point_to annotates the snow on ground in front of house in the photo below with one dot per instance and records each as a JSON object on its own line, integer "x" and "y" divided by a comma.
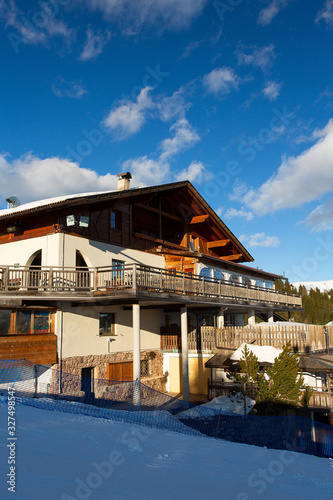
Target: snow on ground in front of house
{"x": 72, "y": 456}
{"x": 265, "y": 354}
{"x": 234, "y": 403}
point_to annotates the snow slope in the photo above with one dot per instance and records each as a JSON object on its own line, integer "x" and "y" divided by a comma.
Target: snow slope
{"x": 72, "y": 456}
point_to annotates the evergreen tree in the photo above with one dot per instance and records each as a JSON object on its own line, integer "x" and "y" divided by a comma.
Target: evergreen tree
{"x": 284, "y": 382}
{"x": 249, "y": 367}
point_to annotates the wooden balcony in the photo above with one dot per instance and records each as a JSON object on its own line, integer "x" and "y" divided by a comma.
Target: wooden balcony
{"x": 62, "y": 281}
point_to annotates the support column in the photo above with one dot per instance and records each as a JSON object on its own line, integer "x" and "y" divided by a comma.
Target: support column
{"x": 136, "y": 356}
{"x": 270, "y": 316}
{"x": 186, "y": 385}
{"x": 252, "y": 317}
{"x": 220, "y": 319}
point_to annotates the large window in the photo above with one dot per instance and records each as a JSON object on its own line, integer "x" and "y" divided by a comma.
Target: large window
{"x": 218, "y": 275}
{"x": 107, "y": 324}
{"x": 205, "y": 272}
{"x": 25, "y": 322}
{"x": 5, "y": 322}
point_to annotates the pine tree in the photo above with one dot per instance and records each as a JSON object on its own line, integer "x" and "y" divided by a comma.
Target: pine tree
{"x": 284, "y": 381}
{"x": 249, "y": 371}
{"x": 249, "y": 367}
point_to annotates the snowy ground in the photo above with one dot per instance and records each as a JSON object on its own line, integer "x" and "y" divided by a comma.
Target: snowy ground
{"x": 66, "y": 456}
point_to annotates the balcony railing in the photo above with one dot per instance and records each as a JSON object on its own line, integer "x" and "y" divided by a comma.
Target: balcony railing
{"x": 134, "y": 277}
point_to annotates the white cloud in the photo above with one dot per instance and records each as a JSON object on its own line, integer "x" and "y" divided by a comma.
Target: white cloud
{"x": 56, "y": 177}
{"x": 147, "y": 171}
{"x": 260, "y": 57}
{"x": 133, "y": 16}
{"x": 189, "y": 49}
{"x": 196, "y": 172}
{"x": 267, "y": 14}
{"x": 173, "y": 106}
{"x": 233, "y": 212}
{"x": 184, "y": 137}
{"x": 221, "y": 81}
{"x": 260, "y": 240}
{"x": 321, "y": 218}
{"x": 35, "y": 27}
{"x": 95, "y": 42}
{"x": 74, "y": 89}
{"x": 298, "y": 180}
{"x": 128, "y": 117}
{"x": 272, "y": 90}
{"x": 326, "y": 13}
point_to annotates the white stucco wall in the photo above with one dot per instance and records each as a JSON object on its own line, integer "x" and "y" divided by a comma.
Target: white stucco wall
{"x": 101, "y": 254}
{"x": 20, "y": 252}
{"x": 59, "y": 249}
{"x": 81, "y": 337}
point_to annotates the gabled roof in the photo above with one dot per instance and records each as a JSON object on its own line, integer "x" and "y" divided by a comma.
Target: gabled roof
{"x": 61, "y": 202}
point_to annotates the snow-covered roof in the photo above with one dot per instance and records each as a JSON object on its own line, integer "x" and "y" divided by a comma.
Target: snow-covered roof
{"x": 265, "y": 354}
{"x": 48, "y": 201}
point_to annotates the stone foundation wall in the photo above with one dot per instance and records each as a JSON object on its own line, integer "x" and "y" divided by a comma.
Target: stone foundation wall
{"x": 72, "y": 370}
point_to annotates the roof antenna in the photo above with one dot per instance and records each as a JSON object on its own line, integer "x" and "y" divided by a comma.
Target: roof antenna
{"x": 13, "y": 202}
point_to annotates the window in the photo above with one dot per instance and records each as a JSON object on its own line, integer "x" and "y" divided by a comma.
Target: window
{"x": 5, "y": 317}
{"x": 205, "y": 272}
{"x": 233, "y": 278}
{"x": 259, "y": 283}
{"x": 25, "y": 322}
{"x": 218, "y": 275}
{"x": 268, "y": 285}
{"x": 144, "y": 368}
{"x": 117, "y": 271}
{"x": 246, "y": 281}
{"x": 107, "y": 324}
{"x": 115, "y": 221}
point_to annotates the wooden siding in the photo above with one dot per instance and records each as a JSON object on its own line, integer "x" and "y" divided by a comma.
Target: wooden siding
{"x": 165, "y": 216}
{"x": 36, "y": 348}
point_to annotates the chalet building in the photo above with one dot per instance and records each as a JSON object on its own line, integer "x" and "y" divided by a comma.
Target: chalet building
{"x": 89, "y": 282}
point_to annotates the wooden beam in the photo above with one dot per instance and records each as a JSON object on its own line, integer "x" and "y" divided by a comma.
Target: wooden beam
{"x": 158, "y": 241}
{"x": 232, "y": 257}
{"x": 157, "y": 211}
{"x": 218, "y": 243}
{"x": 198, "y": 219}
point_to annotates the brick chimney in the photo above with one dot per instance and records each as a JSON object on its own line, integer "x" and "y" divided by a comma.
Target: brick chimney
{"x": 124, "y": 181}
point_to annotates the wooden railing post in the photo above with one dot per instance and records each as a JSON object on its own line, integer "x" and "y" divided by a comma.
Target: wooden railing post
{"x": 134, "y": 284}
{"x": 96, "y": 278}
{"x": 50, "y": 279}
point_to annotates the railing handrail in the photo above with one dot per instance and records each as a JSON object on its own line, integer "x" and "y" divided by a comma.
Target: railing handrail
{"x": 138, "y": 271}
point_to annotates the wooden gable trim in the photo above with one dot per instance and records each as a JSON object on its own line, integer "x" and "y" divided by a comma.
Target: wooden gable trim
{"x": 198, "y": 219}
{"x": 232, "y": 257}
{"x": 218, "y": 243}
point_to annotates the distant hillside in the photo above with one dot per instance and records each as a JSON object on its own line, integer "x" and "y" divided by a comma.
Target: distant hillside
{"x": 317, "y": 301}
{"x": 323, "y": 286}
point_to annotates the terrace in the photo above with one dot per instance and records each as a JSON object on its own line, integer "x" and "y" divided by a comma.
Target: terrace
{"x": 135, "y": 281}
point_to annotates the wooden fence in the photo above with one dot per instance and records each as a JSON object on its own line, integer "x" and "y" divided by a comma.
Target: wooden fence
{"x": 303, "y": 338}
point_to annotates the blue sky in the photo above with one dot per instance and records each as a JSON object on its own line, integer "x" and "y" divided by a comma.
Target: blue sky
{"x": 234, "y": 95}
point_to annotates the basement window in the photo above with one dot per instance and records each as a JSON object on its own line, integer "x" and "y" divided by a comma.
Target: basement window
{"x": 144, "y": 368}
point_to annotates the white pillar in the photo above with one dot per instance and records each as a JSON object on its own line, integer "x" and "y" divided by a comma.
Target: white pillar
{"x": 220, "y": 319}
{"x": 252, "y": 317}
{"x": 136, "y": 355}
{"x": 186, "y": 385}
{"x": 270, "y": 316}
